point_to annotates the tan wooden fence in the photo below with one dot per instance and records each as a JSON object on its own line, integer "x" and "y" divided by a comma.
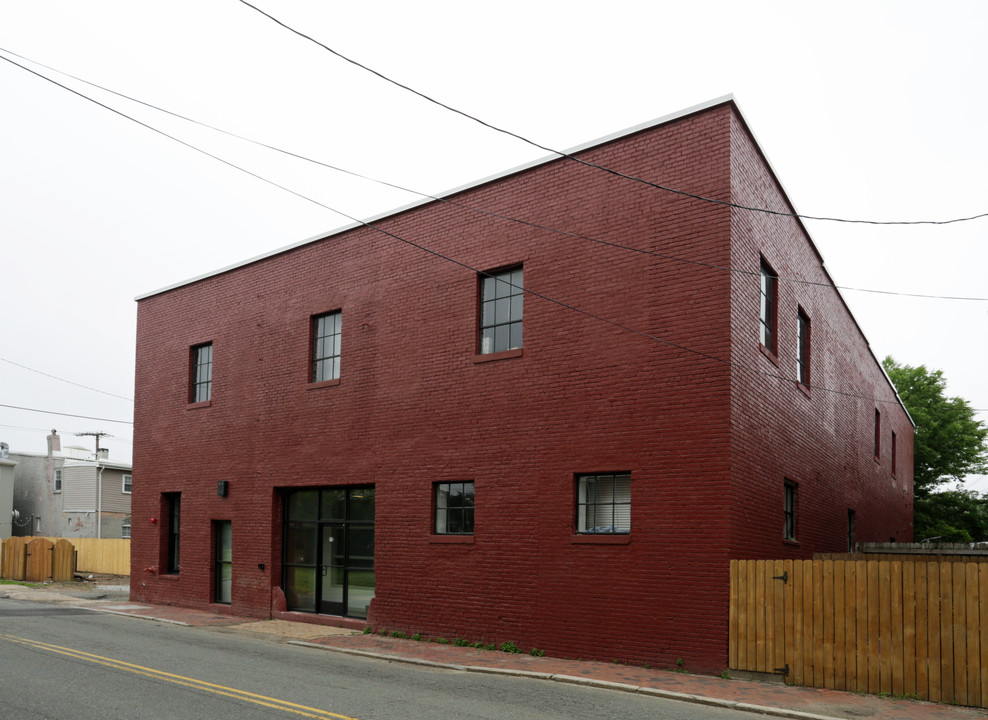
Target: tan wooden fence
{"x": 37, "y": 559}
{"x": 108, "y": 556}
{"x": 905, "y": 627}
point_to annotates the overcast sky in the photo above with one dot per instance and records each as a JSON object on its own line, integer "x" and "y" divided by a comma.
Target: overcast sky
{"x": 872, "y": 110}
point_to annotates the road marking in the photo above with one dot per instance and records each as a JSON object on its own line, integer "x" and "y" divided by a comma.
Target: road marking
{"x": 262, "y": 700}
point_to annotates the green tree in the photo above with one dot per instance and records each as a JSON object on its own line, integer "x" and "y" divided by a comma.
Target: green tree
{"x": 949, "y": 445}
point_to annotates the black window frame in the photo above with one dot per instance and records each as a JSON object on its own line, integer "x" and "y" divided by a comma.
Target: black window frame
{"x": 501, "y": 310}
{"x": 450, "y": 519}
{"x": 851, "y": 516}
{"x": 878, "y": 433}
{"x": 320, "y": 357}
{"x": 789, "y": 510}
{"x": 173, "y": 533}
{"x": 768, "y": 307}
{"x": 223, "y": 560}
{"x": 892, "y": 450}
{"x": 201, "y": 373}
{"x": 804, "y": 352}
{"x": 596, "y": 507}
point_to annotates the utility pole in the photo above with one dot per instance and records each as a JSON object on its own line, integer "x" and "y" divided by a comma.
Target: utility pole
{"x": 99, "y": 481}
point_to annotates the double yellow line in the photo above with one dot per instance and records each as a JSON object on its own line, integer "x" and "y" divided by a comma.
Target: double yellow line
{"x": 188, "y": 682}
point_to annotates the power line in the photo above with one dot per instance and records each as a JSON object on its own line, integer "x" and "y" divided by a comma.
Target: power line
{"x": 489, "y": 213}
{"x": 437, "y": 254}
{"x": 54, "y": 377}
{"x": 602, "y": 168}
{"x": 52, "y": 412}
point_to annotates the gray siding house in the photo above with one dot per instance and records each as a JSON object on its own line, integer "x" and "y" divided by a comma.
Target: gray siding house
{"x": 70, "y": 494}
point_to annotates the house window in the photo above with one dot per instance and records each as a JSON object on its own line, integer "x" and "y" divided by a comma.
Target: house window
{"x": 127, "y": 484}
{"x": 174, "y": 501}
{"x": 224, "y": 561}
{"x": 878, "y": 433}
{"x": 57, "y": 486}
{"x": 850, "y": 531}
{"x": 454, "y": 508}
{"x": 769, "y": 305}
{"x": 603, "y": 503}
{"x": 803, "y": 349}
{"x": 789, "y": 511}
{"x": 326, "y": 347}
{"x": 201, "y": 386}
{"x": 501, "y": 300}
{"x": 893, "y": 453}
{"x": 125, "y": 532}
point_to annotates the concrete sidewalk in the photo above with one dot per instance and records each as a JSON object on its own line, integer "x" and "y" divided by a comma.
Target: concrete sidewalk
{"x": 766, "y": 698}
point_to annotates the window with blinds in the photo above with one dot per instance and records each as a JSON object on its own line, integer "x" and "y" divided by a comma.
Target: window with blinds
{"x": 603, "y": 503}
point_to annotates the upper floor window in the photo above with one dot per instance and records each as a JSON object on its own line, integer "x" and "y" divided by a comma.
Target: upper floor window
{"x": 768, "y": 311}
{"x": 789, "y": 511}
{"x": 501, "y": 299}
{"x": 326, "y": 333}
{"x": 893, "y": 453}
{"x": 878, "y": 433}
{"x": 201, "y": 387}
{"x": 603, "y": 503}
{"x": 57, "y": 484}
{"x": 803, "y": 349}
{"x": 127, "y": 483}
{"x": 454, "y": 508}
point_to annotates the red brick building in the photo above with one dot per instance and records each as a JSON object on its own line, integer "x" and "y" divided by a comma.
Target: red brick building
{"x": 511, "y": 433}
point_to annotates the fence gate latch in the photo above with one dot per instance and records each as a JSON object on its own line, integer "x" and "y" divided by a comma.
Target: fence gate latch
{"x": 783, "y": 670}
{"x": 784, "y": 577}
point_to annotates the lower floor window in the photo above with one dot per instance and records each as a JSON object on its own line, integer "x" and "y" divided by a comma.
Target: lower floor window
{"x": 789, "y": 513}
{"x": 604, "y": 503}
{"x": 454, "y": 508}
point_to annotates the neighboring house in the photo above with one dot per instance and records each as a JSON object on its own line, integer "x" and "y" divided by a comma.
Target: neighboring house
{"x": 6, "y": 493}
{"x": 553, "y": 438}
{"x": 69, "y": 494}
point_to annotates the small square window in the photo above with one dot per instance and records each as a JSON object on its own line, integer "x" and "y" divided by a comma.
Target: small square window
{"x": 454, "y": 508}
{"x": 201, "y": 385}
{"x": 789, "y": 527}
{"x": 326, "y": 336}
{"x": 768, "y": 307}
{"x": 603, "y": 503}
{"x": 502, "y": 298}
{"x": 125, "y": 532}
{"x": 57, "y": 482}
{"x": 127, "y": 484}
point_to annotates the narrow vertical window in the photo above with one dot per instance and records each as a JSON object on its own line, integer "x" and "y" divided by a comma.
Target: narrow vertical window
{"x": 57, "y": 484}
{"x": 603, "y": 503}
{"x": 850, "y": 531}
{"x": 502, "y": 298}
{"x": 803, "y": 349}
{"x": 326, "y": 335}
{"x": 893, "y": 453}
{"x": 128, "y": 484}
{"x": 201, "y": 387}
{"x": 174, "y": 501}
{"x": 789, "y": 511}
{"x": 454, "y": 508}
{"x": 769, "y": 305}
{"x": 224, "y": 561}
{"x": 878, "y": 434}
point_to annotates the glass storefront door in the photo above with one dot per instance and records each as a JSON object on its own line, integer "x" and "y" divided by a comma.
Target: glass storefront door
{"x": 329, "y": 550}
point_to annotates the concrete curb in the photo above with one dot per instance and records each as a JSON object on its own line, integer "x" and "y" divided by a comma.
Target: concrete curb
{"x": 575, "y": 680}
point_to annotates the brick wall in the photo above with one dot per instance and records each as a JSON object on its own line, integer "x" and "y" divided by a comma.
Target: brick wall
{"x": 414, "y": 406}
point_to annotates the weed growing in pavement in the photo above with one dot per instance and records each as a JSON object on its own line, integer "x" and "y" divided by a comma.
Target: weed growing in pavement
{"x": 416, "y": 636}
{"x": 399, "y": 634}
{"x": 536, "y": 652}
{"x": 367, "y": 630}
{"x": 460, "y": 642}
{"x": 441, "y": 641}
{"x": 726, "y": 675}
{"x": 510, "y": 647}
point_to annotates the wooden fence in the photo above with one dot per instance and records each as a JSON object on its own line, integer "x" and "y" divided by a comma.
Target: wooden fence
{"x": 906, "y": 627}
{"x": 107, "y": 556}
{"x": 36, "y": 559}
